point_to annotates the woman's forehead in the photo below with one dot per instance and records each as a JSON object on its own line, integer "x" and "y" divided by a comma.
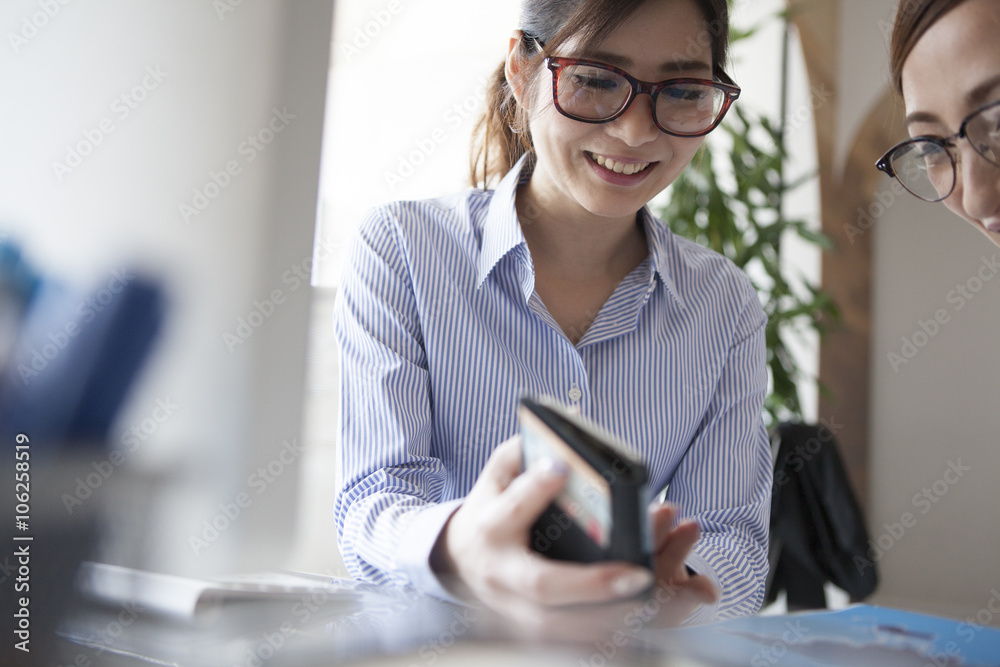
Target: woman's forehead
{"x": 954, "y": 67}
{"x": 665, "y": 35}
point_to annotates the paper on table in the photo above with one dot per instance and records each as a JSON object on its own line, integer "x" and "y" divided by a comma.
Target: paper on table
{"x": 857, "y": 635}
{"x": 190, "y": 598}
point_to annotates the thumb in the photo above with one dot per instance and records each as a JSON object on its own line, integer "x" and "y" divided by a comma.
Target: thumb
{"x": 502, "y": 467}
{"x": 530, "y": 493}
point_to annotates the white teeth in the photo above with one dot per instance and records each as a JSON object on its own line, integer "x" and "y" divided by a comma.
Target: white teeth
{"x": 619, "y": 167}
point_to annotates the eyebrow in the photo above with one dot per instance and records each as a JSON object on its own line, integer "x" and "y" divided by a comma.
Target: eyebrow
{"x": 979, "y": 95}
{"x": 673, "y": 66}
{"x": 973, "y": 99}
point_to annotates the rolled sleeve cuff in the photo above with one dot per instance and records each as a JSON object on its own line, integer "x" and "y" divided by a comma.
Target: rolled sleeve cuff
{"x": 706, "y": 612}
{"x": 414, "y": 558}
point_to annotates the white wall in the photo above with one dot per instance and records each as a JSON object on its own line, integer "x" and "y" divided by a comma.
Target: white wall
{"x": 938, "y": 411}
{"x": 147, "y": 102}
{"x": 409, "y": 83}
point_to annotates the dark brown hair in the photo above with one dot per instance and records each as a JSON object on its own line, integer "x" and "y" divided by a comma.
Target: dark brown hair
{"x": 501, "y": 135}
{"x": 913, "y": 19}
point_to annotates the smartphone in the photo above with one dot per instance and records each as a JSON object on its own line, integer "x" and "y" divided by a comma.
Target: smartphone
{"x": 602, "y": 513}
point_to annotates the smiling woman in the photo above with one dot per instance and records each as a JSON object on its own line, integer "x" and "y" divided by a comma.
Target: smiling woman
{"x": 946, "y": 64}
{"x": 559, "y": 281}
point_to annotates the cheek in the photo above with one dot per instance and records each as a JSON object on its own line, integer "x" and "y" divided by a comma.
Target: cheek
{"x": 554, "y": 135}
{"x": 954, "y": 204}
{"x": 682, "y": 151}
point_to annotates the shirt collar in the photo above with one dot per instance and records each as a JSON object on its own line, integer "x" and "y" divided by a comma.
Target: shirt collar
{"x": 502, "y": 232}
{"x": 663, "y": 251}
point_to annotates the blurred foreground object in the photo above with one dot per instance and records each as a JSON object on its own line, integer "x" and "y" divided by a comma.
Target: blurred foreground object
{"x": 67, "y": 361}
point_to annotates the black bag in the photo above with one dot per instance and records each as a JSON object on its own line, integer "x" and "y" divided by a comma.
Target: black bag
{"x": 817, "y": 529}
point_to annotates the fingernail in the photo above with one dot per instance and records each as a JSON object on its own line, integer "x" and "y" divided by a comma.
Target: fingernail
{"x": 551, "y": 467}
{"x": 632, "y": 583}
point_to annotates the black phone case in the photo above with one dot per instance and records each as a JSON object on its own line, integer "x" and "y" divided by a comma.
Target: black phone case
{"x": 556, "y": 535}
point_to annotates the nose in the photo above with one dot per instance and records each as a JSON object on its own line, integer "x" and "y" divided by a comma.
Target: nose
{"x": 636, "y": 126}
{"x": 979, "y": 185}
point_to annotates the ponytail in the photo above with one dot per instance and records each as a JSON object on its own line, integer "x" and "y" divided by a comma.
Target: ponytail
{"x": 501, "y": 135}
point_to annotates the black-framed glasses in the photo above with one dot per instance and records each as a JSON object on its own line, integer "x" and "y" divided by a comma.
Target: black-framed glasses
{"x": 592, "y": 92}
{"x": 926, "y": 166}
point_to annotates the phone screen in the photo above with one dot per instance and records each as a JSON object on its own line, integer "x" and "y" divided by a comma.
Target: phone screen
{"x": 587, "y": 496}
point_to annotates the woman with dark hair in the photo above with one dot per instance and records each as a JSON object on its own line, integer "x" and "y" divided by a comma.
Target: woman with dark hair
{"x": 560, "y": 282}
{"x": 946, "y": 64}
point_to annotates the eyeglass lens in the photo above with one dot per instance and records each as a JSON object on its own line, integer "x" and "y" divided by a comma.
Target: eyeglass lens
{"x": 593, "y": 93}
{"x": 927, "y": 168}
{"x": 983, "y": 130}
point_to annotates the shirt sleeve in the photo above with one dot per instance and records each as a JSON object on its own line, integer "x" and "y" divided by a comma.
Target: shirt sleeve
{"x": 388, "y": 510}
{"x": 724, "y": 480}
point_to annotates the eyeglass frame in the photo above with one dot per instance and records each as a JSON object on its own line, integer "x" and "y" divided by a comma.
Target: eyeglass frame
{"x": 729, "y": 88}
{"x": 884, "y": 163}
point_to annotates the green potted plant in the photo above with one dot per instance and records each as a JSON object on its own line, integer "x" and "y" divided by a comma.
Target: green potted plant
{"x": 731, "y": 200}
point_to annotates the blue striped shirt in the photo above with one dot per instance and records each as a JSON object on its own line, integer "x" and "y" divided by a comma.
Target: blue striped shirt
{"x": 440, "y": 330}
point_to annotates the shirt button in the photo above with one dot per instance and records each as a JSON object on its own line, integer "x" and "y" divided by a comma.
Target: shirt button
{"x": 575, "y": 394}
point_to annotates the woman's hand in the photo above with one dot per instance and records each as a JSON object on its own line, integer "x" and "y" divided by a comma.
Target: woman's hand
{"x": 671, "y": 547}
{"x": 484, "y": 546}
{"x": 676, "y": 595}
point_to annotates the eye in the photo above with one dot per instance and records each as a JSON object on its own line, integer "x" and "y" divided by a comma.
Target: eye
{"x": 597, "y": 81}
{"x": 687, "y": 94}
{"x": 931, "y": 152}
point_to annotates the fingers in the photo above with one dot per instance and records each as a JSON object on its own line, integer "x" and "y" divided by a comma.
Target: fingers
{"x": 678, "y": 545}
{"x": 503, "y": 572}
{"x": 528, "y": 495}
{"x": 673, "y": 544}
{"x": 662, "y": 517}
{"x": 558, "y": 583}
{"x": 503, "y": 466}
